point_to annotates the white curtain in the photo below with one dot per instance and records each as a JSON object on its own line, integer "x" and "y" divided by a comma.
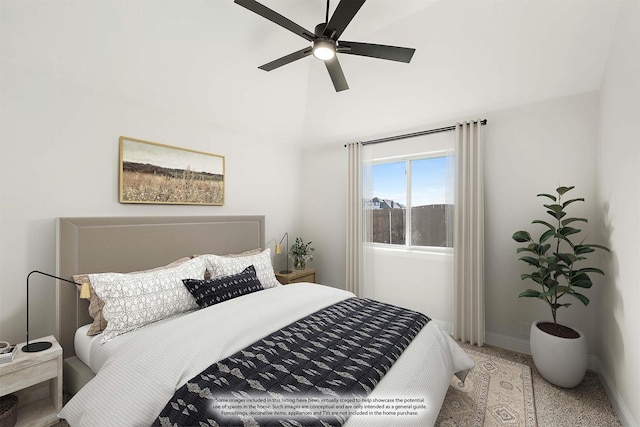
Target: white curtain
{"x": 418, "y": 279}
{"x": 469, "y": 235}
{"x": 354, "y": 244}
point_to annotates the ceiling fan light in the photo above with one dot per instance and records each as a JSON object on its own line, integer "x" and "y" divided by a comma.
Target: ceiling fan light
{"x": 324, "y": 49}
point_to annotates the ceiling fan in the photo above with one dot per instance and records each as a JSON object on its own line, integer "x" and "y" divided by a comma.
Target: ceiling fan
{"x": 325, "y": 40}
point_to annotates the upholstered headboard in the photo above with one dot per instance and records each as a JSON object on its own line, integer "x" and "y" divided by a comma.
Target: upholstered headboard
{"x": 124, "y": 244}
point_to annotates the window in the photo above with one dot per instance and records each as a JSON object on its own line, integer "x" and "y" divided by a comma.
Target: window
{"x": 411, "y": 205}
{"x": 389, "y": 204}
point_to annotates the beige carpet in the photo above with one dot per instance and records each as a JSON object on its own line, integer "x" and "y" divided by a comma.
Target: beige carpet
{"x": 583, "y": 406}
{"x": 497, "y": 392}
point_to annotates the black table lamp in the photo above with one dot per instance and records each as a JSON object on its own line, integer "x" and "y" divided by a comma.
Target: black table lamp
{"x": 279, "y": 251}
{"x": 43, "y": 345}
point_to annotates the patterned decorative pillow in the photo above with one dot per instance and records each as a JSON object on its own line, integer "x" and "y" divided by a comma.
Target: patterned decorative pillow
{"x": 96, "y": 304}
{"x": 215, "y": 291}
{"x": 255, "y": 251}
{"x": 135, "y": 300}
{"x": 223, "y": 266}
{"x": 207, "y": 274}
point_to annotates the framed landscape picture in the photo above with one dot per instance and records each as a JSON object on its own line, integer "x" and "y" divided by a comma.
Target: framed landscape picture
{"x": 158, "y": 173}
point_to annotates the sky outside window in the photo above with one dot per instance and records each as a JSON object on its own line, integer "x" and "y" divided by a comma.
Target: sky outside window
{"x": 390, "y": 182}
{"x": 428, "y": 178}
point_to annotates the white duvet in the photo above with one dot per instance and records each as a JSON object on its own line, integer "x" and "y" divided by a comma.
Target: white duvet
{"x": 136, "y": 382}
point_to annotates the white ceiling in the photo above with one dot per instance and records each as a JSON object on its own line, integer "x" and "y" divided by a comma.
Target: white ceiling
{"x": 200, "y": 58}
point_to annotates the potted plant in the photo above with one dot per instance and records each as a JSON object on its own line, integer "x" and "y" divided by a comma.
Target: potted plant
{"x": 301, "y": 253}
{"x": 559, "y": 352}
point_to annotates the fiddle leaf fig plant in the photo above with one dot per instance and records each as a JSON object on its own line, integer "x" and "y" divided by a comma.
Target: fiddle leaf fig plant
{"x": 557, "y": 260}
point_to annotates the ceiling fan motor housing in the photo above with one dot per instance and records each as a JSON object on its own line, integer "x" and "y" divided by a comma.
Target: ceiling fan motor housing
{"x": 319, "y": 29}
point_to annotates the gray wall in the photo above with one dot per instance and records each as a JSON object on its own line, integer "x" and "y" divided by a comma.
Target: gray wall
{"x": 59, "y": 157}
{"x": 532, "y": 149}
{"x": 619, "y": 203}
{"x": 517, "y": 167}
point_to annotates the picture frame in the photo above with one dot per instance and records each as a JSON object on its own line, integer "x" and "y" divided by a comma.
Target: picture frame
{"x": 162, "y": 174}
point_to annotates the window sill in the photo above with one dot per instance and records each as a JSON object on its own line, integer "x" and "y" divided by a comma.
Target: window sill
{"x": 408, "y": 250}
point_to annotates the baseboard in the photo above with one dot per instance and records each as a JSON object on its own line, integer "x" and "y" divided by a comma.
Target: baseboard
{"x": 522, "y": 346}
{"x": 616, "y": 400}
{"x": 510, "y": 343}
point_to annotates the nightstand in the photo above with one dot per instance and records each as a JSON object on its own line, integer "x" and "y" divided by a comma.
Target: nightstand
{"x": 36, "y": 378}
{"x": 307, "y": 275}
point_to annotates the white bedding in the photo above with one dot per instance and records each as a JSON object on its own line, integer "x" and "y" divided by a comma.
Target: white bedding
{"x": 136, "y": 381}
{"x": 93, "y": 353}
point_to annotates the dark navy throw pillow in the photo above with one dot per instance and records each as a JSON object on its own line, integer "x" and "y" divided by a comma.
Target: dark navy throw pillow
{"x": 214, "y": 291}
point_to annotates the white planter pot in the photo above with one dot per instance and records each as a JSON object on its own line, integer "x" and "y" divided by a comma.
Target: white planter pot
{"x": 561, "y": 361}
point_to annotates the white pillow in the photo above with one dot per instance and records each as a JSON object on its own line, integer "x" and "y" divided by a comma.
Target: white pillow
{"x": 132, "y": 301}
{"x": 224, "y": 266}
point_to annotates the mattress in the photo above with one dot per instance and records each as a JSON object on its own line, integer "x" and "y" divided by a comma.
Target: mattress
{"x": 82, "y": 345}
{"x": 135, "y": 382}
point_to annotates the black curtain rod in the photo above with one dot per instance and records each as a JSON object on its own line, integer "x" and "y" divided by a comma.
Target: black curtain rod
{"x": 411, "y": 135}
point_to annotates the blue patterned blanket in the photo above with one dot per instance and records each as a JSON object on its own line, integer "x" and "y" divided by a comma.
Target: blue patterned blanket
{"x": 341, "y": 351}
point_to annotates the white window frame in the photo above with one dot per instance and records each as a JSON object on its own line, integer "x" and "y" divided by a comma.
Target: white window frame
{"x": 407, "y": 159}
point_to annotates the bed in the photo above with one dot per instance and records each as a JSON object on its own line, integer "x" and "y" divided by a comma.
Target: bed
{"x": 137, "y": 375}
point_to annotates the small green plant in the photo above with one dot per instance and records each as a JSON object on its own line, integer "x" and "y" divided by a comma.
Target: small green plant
{"x": 301, "y": 253}
{"x": 555, "y": 258}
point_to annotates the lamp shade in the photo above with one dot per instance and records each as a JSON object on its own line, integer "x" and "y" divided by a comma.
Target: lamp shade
{"x": 85, "y": 291}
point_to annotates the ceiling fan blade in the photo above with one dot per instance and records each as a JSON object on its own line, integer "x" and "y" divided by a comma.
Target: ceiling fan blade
{"x": 337, "y": 76}
{"x": 392, "y": 53}
{"x": 286, "y": 59}
{"x": 272, "y": 16}
{"x": 343, "y": 14}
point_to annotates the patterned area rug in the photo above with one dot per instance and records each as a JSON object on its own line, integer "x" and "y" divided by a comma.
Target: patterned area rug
{"x": 497, "y": 392}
